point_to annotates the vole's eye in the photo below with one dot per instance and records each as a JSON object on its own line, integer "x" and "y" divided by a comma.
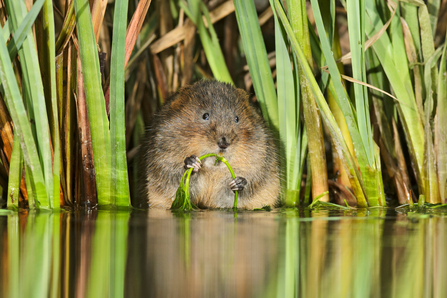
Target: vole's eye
{"x": 206, "y": 116}
{"x": 236, "y": 119}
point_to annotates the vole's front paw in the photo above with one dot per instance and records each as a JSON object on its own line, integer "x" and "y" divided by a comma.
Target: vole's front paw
{"x": 238, "y": 183}
{"x": 193, "y": 162}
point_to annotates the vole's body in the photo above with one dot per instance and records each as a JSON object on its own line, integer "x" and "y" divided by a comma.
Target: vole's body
{"x": 209, "y": 117}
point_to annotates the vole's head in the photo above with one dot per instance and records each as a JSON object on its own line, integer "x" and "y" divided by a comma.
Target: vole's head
{"x": 214, "y": 117}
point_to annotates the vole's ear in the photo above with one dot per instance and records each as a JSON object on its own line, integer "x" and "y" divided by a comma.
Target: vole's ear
{"x": 248, "y": 105}
{"x": 243, "y": 96}
{"x": 179, "y": 99}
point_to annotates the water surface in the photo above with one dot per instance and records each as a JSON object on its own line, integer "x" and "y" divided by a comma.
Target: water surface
{"x": 217, "y": 254}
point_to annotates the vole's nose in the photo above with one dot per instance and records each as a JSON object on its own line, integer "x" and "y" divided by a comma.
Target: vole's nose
{"x": 223, "y": 144}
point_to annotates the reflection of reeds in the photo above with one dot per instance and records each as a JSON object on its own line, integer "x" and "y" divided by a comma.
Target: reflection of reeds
{"x": 74, "y": 100}
{"x": 12, "y": 287}
{"x": 211, "y": 253}
{"x": 49, "y": 255}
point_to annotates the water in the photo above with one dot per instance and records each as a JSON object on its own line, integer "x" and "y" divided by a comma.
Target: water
{"x": 215, "y": 254}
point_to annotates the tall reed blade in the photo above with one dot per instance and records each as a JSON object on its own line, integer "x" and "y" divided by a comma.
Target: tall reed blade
{"x": 34, "y": 93}
{"x": 97, "y": 116}
{"x": 340, "y": 144}
{"x": 210, "y": 42}
{"x": 356, "y": 25}
{"x": 67, "y": 28}
{"x": 410, "y": 15}
{"x": 413, "y": 58}
{"x": 15, "y": 174}
{"x": 298, "y": 15}
{"x": 433, "y": 9}
{"x": 47, "y": 54}
{"x": 120, "y": 183}
{"x": 256, "y": 53}
{"x": 86, "y": 192}
{"x": 65, "y": 66}
{"x": 287, "y": 109}
{"x": 427, "y": 43}
{"x": 21, "y": 32}
{"x": 331, "y": 28}
{"x": 431, "y": 182}
{"x": 389, "y": 141}
{"x": 441, "y": 128}
{"x": 19, "y": 116}
{"x": 407, "y": 107}
{"x": 361, "y": 133}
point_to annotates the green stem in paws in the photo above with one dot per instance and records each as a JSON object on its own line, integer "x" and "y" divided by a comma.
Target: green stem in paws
{"x": 182, "y": 199}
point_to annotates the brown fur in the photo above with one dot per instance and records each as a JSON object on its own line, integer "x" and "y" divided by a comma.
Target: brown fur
{"x": 179, "y": 131}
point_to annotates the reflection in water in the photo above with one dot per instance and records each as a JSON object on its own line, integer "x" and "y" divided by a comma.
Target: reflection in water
{"x": 215, "y": 254}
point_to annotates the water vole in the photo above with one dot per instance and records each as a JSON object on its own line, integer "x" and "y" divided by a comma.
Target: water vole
{"x": 209, "y": 117}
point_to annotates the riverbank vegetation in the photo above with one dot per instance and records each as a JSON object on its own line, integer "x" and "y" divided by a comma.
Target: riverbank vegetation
{"x": 355, "y": 92}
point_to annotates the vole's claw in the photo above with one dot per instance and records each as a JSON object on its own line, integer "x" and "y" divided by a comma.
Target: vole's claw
{"x": 238, "y": 183}
{"x": 193, "y": 162}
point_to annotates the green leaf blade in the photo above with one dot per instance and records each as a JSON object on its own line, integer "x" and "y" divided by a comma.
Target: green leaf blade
{"x": 33, "y": 91}
{"x": 120, "y": 183}
{"x": 99, "y": 123}
{"x": 22, "y": 126}
{"x": 257, "y": 60}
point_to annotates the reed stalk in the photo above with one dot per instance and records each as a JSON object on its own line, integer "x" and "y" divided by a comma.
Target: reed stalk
{"x": 256, "y": 53}
{"x": 441, "y": 130}
{"x": 407, "y": 107}
{"x": 209, "y": 39}
{"x": 298, "y": 16}
{"x": 47, "y": 54}
{"x": 34, "y": 95}
{"x": 120, "y": 185}
{"x": 15, "y": 174}
{"x": 341, "y": 146}
{"x": 97, "y": 116}
{"x": 22, "y": 125}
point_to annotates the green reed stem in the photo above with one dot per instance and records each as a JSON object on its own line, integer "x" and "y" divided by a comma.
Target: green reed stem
{"x": 120, "y": 183}
{"x": 20, "y": 119}
{"x": 188, "y": 173}
{"x": 99, "y": 123}
{"x": 33, "y": 93}
{"x": 209, "y": 39}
